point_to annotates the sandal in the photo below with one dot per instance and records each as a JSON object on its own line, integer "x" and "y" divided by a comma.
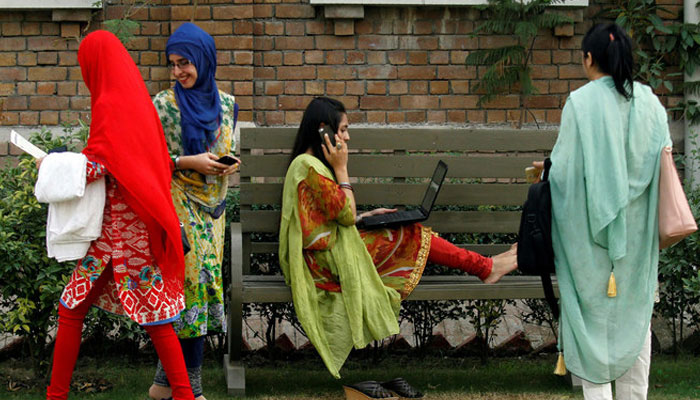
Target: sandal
{"x": 402, "y": 388}
{"x": 367, "y": 390}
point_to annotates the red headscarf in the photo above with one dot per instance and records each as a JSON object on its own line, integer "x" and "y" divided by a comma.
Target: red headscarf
{"x": 126, "y": 137}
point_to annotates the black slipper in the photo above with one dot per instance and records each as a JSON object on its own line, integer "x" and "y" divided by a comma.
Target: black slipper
{"x": 367, "y": 390}
{"x": 402, "y": 388}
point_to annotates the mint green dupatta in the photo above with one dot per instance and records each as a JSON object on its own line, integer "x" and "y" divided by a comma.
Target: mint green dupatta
{"x": 604, "y": 182}
{"x": 334, "y": 322}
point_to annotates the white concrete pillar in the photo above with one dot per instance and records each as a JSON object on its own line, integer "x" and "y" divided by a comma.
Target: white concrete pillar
{"x": 692, "y": 166}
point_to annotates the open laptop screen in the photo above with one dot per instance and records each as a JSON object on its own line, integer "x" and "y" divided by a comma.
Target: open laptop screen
{"x": 434, "y": 186}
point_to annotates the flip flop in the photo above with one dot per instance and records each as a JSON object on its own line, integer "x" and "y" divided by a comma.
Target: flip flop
{"x": 367, "y": 390}
{"x": 402, "y": 388}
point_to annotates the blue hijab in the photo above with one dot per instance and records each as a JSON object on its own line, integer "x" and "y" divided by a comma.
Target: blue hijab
{"x": 200, "y": 106}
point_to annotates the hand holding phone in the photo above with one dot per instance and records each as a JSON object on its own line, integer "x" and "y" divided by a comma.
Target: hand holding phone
{"x": 326, "y": 130}
{"x": 228, "y": 160}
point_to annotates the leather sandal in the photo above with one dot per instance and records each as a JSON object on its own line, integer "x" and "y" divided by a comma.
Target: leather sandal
{"x": 402, "y": 388}
{"x": 367, "y": 390}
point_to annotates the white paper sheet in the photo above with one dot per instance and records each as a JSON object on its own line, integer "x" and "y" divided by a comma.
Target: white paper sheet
{"x": 26, "y": 145}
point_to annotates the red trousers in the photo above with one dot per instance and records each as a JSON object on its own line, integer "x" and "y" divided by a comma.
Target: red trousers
{"x": 67, "y": 346}
{"x": 445, "y": 253}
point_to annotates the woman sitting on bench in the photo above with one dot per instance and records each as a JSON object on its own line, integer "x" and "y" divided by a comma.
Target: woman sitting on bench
{"x": 347, "y": 284}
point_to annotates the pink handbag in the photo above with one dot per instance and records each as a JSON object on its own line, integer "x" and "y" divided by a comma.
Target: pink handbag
{"x": 676, "y": 221}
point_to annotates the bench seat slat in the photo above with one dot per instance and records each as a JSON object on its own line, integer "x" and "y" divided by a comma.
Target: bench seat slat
{"x": 408, "y": 166}
{"x": 440, "y": 221}
{"x": 429, "y": 139}
{"x": 258, "y": 288}
{"x": 403, "y": 193}
{"x": 483, "y": 249}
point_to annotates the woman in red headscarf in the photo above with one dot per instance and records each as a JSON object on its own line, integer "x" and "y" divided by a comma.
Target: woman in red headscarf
{"x": 136, "y": 266}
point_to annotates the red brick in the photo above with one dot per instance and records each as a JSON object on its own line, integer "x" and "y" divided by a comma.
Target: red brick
{"x": 294, "y": 11}
{"x": 557, "y": 86}
{"x": 335, "y": 88}
{"x": 243, "y": 88}
{"x": 423, "y": 28}
{"x": 67, "y": 58}
{"x": 570, "y": 43}
{"x": 159, "y": 14}
{"x": 356, "y": 88}
{"x": 262, "y": 11}
{"x": 364, "y": 27}
{"x": 415, "y": 117}
{"x": 541, "y": 57}
{"x": 379, "y": 103}
{"x": 439, "y": 57}
{"x": 293, "y": 117}
{"x": 47, "y": 73}
{"x": 29, "y": 118}
{"x": 350, "y": 102}
{"x": 491, "y": 42}
{"x": 48, "y": 118}
{"x": 460, "y": 87}
{"x": 418, "y": 57}
{"x": 439, "y": 87}
{"x": 458, "y": 42}
{"x": 234, "y": 43}
{"x": 376, "y": 57}
{"x": 274, "y": 28}
{"x": 8, "y": 59}
{"x": 411, "y": 72}
{"x": 458, "y": 101}
{"x": 398, "y": 57}
{"x": 67, "y": 89}
{"x": 233, "y": 12}
{"x": 376, "y": 87}
{"x": 398, "y": 87}
{"x": 7, "y": 89}
{"x": 335, "y": 43}
{"x": 49, "y": 29}
{"x": 263, "y": 73}
{"x": 11, "y": 29}
{"x": 570, "y": 72}
{"x": 539, "y": 116}
{"x": 48, "y": 103}
{"x": 335, "y": 57}
{"x": 13, "y": 43}
{"x": 14, "y": 103}
{"x": 272, "y": 118}
{"x": 215, "y": 28}
{"x": 437, "y": 117}
{"x": 184, "y": 13}
{"x": 355, "y": 57}
{"x": 377, "y": 72}
{"x": 395, "y": 117}
{"x": 376, "y": 117}
{"x": 401, "y": 27}
{"x": 455, "y": 72}
{"x": 31, "y": 28}
{"x": 272, "y": 58}
{"x": 541, "y": 87}
{"x": 377, "y": 42}
{"x": 10, "y": 118}
{"x": 294, "y": 28}
{"x": 458, "y": 57}
{"x": 319, "y": 27}
{"x": 242, "y": 27}
{"x": 294, "y": 43}
{"x": 383, "y": 27}
{"x": 294, "y": 58}
{"x": 46, "y": 88}
{"x": 502, "y": 102}
{"x": 26, "y": 88}
{"x": 418, "y": 43}
{"x": 495, "y": 116}
{"x": 553, "y": 116}
{"x": 293, "y": 87}
{"x": 575, "y": 84}
{"x": 418, "y": 87}
{"x": 314, "y": 88}
{"x": 562, "y": 56}
{"x": 265, "y": 103}
{"x": 313, "y": 57}
{"x": 235, "y": 73}
{"x": 294, "y": 102}
{"x": 336, "y": 72}
{"x": 304, "y": 72}
{"x": 245, "y": 102}
{"x": 243, "y": 57}
{"x": 419, "y": 102}
{"x": 544, "y": 72}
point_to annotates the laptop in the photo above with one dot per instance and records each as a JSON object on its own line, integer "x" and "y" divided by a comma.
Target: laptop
{"x": 416, "y": 215}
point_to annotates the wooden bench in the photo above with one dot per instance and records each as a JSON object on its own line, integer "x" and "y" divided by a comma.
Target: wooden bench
{"x": 485, "y": 179}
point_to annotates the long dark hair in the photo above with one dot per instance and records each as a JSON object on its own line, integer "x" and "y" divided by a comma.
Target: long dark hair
{"x": 611, "y": 49}
{"x": 321, "y": 109}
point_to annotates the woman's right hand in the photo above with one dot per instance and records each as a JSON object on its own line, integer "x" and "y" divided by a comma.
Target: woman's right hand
{"x": 204, "y": 163}
{"x": 337, "y": 156}
{"x": 38, "y": 162}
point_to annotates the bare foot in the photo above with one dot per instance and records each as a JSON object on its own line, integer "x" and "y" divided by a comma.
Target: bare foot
{"x": 200, "y": 398}
{"x": 503, "y": 264}
{"x": 158, "y": 392}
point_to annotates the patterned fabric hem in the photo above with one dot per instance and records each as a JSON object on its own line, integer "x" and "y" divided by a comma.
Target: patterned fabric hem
{"x": 421, "y": 260}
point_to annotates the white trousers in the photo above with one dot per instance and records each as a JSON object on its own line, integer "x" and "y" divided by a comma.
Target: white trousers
{"x": 632, "y": 385}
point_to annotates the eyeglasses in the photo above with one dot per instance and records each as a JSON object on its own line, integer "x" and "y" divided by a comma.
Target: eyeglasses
{"x": 182, "y": 64}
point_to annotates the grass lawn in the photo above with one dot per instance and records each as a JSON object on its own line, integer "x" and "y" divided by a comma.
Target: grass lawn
{"x": 439, "y": 378}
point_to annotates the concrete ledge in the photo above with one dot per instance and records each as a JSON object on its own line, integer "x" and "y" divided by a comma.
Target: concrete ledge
{"x": 235, "y": 377}
{"x": 345, "y": 12}
{"x": 49, "y": 4}
{"x": 566, "y": 3}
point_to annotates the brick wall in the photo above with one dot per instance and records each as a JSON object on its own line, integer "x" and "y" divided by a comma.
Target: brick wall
{"x": 399, "y": 65}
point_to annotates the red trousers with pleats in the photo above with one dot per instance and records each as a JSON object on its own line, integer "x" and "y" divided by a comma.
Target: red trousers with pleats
{"x": 445, "y": 253}
{"x": 67, "y": 346}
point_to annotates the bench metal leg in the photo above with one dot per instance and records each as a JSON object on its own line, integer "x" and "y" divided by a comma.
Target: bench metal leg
{"x": 233, "y": 367}
{"x": 574, "y": 381}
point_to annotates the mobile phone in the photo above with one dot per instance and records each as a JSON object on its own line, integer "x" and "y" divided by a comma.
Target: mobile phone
{"x": 228, "y": 160}
{"x": 326, "y": 130}
{"x": 532, "y": 174}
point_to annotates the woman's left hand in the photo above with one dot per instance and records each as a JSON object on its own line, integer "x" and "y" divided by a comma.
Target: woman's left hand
{"x": 229, "y": 169}
{"x": 378, "y": 211}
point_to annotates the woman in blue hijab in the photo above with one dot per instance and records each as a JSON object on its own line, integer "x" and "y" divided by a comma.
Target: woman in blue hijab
{"x": 199, "y": 123}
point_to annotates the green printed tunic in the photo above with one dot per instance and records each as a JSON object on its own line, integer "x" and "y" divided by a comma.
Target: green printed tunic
{"x": 195, "y": 196}
{"x": 604, "y": 182}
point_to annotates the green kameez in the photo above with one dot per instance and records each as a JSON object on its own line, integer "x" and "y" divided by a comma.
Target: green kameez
{"x": 604, "y": 181}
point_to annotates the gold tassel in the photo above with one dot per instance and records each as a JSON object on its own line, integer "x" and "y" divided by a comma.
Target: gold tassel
{"x": 612, "y": 286}
{"x": 561, "y": 366}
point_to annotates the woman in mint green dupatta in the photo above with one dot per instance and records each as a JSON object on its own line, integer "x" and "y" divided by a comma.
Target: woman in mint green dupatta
{"x": 604, "y": 177}
{"x": 347, "y": 284}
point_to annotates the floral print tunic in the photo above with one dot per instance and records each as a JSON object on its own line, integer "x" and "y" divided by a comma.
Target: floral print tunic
{"x": 399, "y": 254}
{"x": 196, "y": 198}
{"x": 137, "y": 289}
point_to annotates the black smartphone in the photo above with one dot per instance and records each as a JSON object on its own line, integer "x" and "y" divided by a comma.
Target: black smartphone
{"x": 228, "y": 160}
{"x": 327, "y": 130}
